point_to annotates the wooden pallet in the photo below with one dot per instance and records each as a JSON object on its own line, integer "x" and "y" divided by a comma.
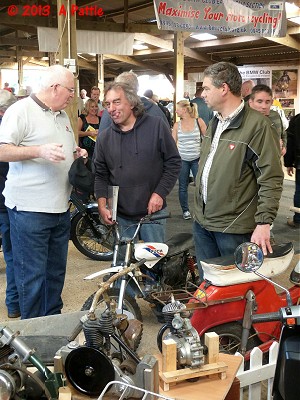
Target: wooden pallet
{"x": 170, "y": 375}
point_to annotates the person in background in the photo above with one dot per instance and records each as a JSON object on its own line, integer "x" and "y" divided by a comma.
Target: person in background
{"x": 149, "y": 95}
{"x": 84, "y": 96}
{"x": 261, "y": 100}
{"x": 239, "y": 180}
{"x": 276, "y": 106}
{"x": 187, "y": 133}
{"x": 246, "y": 90}
{"x": 12, "y": 296}
{"x": 38, "y": 142}
{"x": 151, "y": 108}
{"x": 6, "y": 87}
{"x": 291, "y": 162}
{"x": 95, "y": 95}
{"x": 138, "y": 154}
{"x": 203, "y": 111}
{"x": 88, "y": 126}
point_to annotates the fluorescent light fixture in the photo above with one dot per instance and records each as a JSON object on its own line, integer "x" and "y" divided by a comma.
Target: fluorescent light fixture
{"x": 140, "y": 46}
{"x": 203, "y": 36}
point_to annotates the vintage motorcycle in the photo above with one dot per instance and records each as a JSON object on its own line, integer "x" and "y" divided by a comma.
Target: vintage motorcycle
{"x": 88, "y": 233}
{"x": 226, "y": 294}
{"x": 169, "y": 268}
{"x": 249, "y": 259}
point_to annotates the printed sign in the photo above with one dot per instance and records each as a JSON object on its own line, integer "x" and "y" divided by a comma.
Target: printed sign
{"x": 221, "y": 17}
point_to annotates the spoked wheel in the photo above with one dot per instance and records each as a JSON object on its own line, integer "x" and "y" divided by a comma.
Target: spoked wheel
{"x": 95, "y": 246}
{"x": 230, "y": 336}
{"x": 129, "y": 304}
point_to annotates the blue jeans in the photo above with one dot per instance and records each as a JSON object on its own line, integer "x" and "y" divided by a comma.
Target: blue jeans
{"x": 183, "y": 180}
{"x": 210, "y": 244}
{"x": 12, "y": 297}
{"x": 40, "y": 247}
{"x": 297, "y": 195}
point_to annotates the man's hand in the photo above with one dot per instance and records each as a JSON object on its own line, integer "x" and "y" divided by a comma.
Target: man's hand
{"x": 53, "y": 152}
{"x": 261, "y": 236}
{"x": 104, "y": 212}
{"x": 155, "y": 203}
{"x": 106, "y": 216}
{"x": 290, "y": 171}
{"x": 81, "y": 152}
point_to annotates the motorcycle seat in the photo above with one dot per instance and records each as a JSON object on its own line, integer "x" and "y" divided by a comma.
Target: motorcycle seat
{"x": 179, "y": 243}
{"x": 222, "y": 271}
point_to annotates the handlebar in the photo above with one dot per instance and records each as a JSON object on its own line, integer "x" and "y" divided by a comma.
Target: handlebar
{"x": 153, "y": 217}
{"x": 267, "y": 317}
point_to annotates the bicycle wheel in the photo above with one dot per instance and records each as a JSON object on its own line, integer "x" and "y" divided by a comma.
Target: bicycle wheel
{"x": 97, "y": 247}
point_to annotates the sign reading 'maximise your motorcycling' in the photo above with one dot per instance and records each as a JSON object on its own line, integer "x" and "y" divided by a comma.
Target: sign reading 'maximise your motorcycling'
{"x": 241, "y": 17}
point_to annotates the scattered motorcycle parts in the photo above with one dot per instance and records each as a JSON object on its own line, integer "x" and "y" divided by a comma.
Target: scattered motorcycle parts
{"x": 14, "y": 353}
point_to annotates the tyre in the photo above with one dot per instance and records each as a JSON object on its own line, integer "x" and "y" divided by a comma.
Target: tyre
{"x": 98, "y": 247}
{"x": 129, "y": 304}
{"x": 230, "y": 337}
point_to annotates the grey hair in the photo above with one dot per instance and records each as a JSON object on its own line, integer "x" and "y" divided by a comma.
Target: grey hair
{"x": 53, "y": 74}
{"x": 130, "y": 94}
{"x": 130, "y": 78}
{"x": 6, "y": 100}
{"x": 225, "y": 72}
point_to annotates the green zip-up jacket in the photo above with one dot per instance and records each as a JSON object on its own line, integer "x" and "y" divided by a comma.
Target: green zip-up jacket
{"x": 245, "y": 179}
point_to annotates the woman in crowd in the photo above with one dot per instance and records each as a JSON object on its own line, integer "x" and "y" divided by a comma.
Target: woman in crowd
{"x": 187, "y": 134}
{"x": 88, "y": 125}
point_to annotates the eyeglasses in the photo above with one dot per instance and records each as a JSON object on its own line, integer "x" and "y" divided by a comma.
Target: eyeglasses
{"x": 71, "y": 90}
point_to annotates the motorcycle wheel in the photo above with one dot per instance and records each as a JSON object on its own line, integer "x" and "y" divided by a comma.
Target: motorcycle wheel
{"x": 230, "y": 336}
{"x": 130, "y": 304}
{"x": 97, "y": 248}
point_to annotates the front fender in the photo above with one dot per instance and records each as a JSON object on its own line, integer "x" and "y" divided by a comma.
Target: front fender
{"x": 110, "y": 270}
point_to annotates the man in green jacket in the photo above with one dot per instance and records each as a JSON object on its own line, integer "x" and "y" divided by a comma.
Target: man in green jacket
{"x": 239, "y": 181}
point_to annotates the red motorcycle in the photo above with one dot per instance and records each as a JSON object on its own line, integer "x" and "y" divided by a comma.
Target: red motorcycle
{"x": 227, "y": 297}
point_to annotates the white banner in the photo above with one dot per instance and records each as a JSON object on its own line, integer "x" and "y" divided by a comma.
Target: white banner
{"x": 221, "y": 17}
{"x": 89, "y": 41}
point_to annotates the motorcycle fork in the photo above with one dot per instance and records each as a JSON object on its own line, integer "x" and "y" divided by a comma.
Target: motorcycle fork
{"x": 250, "y": 307}
{"x": 124, "y": 280}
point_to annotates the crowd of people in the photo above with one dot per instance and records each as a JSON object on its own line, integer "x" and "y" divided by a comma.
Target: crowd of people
{"x": 228, "y": 137}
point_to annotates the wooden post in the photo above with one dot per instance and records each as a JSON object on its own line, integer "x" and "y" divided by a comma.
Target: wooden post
{"x": 68, "y": 50}
{"x": 169, "y": 354}
{"x": 211, "y": 340}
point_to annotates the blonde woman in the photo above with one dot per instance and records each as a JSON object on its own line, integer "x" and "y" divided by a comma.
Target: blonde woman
{"x": 88, "y": 121}
{"x": 187, "y": 134}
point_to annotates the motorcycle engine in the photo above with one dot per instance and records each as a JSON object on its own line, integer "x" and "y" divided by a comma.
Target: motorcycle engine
{"x": 190, "y": 352}
{"x": 91, "y": 367}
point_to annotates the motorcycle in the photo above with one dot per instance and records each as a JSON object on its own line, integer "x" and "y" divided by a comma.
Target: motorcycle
{"x": 285, "y": 386}
{"x": 88, "y": 233}
{"x": 227, "y": 294}
{"x": 169, "y": 268}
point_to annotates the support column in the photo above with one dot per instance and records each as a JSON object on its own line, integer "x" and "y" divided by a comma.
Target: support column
{"x": 68, "y": 50}
{"x": 100, "y": 73}
{"x": 178, "y": 68}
